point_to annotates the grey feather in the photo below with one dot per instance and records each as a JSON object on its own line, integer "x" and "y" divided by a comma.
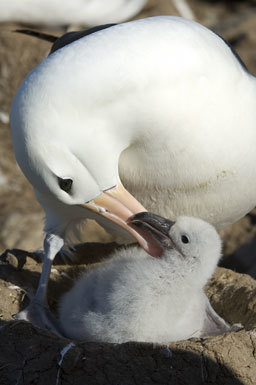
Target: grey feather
{"x": 136, "y": 297}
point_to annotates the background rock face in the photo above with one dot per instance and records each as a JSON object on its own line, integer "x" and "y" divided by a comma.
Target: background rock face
{"x": 31, "y": 356}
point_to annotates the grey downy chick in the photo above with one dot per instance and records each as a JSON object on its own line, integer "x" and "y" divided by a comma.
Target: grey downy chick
{"x": 135, "y": 297}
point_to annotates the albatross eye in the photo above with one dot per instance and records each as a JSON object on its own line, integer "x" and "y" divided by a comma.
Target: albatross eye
{"x": 184, "y": 239}
{"x": 65, "y": 184}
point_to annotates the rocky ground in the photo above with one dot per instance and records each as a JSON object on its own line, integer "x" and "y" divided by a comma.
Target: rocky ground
{"x": 21, "y": 223}
{"x": 29, "y": 355}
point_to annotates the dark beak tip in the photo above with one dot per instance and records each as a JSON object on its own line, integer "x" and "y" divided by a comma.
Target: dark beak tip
{"x": 136, "y": 217}
{"x": 140, "y": 216}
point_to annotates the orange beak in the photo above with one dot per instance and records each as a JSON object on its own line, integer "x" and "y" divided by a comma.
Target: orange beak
{"x": 118, "y": 205}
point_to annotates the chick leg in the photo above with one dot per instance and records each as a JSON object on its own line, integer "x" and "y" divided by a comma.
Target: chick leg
{"x": 38, "y": 311}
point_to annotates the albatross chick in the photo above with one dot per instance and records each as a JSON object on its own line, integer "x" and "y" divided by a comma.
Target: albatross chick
{"x": 134, "y": 297}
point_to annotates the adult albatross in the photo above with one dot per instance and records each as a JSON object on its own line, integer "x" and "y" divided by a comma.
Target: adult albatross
{"x": 162, "y": 104}
{"x": 65, "y": 12}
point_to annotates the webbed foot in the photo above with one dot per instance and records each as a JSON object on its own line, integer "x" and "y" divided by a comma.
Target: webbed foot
{"x": 40, "y": 316}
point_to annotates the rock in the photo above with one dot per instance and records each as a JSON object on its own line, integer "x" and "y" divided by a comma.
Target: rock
{"x": 17, "y": 263}
{"x": 4, "y": 117}
{"x": 29, "y": 355}
{"x": 12, "y": 296}
{"x": 14, "y": 232}
{"x": 233, "y": 296}
{"x": 239, "y": 241}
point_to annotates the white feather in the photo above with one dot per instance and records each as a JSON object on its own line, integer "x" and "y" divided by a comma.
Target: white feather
{"x": 66, "y": 12}
{"x": 134, "y": 297}
{"x": 143, "y": 98}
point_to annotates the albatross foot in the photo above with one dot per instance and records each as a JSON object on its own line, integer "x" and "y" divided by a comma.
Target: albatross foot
{"x": 40, "y": 316}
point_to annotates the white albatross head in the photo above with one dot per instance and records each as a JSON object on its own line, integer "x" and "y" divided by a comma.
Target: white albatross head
{"x": 191, "y": 242}
{"x": 71, "y": 178}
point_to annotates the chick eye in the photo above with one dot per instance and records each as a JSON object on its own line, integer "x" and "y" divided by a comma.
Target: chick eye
{"x": 184, "y": 239}
{"x": 65, "y": 184}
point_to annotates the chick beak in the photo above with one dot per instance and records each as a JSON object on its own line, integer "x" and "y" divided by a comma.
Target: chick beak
{"x": 158, "y": 226}
{"x": 118, "y": 205}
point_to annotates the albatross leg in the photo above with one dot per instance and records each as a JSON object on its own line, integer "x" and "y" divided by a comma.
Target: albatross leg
{"x": 38, "y": 311}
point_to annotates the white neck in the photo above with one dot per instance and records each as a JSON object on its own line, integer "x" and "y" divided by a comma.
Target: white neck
{"x": 156, "y": 116}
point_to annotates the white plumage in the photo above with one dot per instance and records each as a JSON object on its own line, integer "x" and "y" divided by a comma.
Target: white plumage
{"x": 162, "y": 104}
{"x": 134, "y": 297}
{"x": 143, "y": 97}
{"x": 66, "y": 12}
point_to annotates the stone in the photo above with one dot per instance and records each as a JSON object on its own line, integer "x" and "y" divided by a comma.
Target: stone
{"x": 29, "y": 355}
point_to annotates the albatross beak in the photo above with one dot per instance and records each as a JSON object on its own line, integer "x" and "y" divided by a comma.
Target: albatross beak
{"x": 158, "y": 226}
{"x": 118, "y": 205}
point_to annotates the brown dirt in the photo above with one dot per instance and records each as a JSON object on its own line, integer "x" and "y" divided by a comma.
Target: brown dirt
{"x": 29, "y": 355}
